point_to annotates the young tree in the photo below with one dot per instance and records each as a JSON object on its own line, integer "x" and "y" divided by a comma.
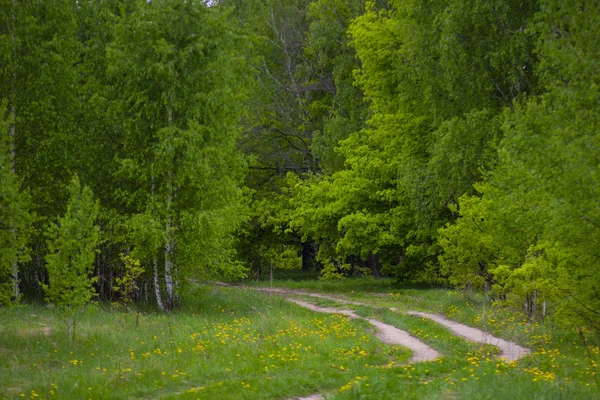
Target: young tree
{"x": 72, "y": 248}
{"x": 126, "y": 285}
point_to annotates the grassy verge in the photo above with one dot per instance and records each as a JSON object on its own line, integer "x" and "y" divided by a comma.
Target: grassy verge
{"x": 230, "y": 344}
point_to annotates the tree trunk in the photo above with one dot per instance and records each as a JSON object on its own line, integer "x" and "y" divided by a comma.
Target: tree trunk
{"x": 168, "y": 237}
{"x": 159, "y": 302}
{"x": 308, "y": 255}
{"x": 488, "y": 282}
{"x": 168, "y": 265}
{"x": 544, "y": 309}
{"x": 15, "y": 270}
{"x": 375, "y": 265}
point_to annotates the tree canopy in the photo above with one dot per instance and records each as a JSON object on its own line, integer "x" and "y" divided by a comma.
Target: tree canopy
{"x": 444, "y": 141}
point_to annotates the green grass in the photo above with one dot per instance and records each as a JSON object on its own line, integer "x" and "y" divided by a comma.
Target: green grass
{"x": 293, "y": 279}
{"x": 239, "y": 344}
{"x": 560, "y": 366}
{"x": 229, "y": 344}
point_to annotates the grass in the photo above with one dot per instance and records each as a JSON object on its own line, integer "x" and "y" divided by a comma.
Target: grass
{"x": 308, "y": 280}
{"x": 229, "y": 344}
{"x": 239, "y": 344}
{"x": 560, "y": 366}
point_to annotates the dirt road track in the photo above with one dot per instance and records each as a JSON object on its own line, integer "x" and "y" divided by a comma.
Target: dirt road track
{"x": 389, "y": 334}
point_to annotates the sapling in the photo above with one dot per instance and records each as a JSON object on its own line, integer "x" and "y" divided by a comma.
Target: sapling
{"x": 72, "y": 243}
{"x": 126, "y": 284}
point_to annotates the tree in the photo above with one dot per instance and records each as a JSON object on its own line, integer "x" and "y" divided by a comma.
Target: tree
{"x": 14, "y": 216}
{"x": 303, "y": 103}
{"x": 180, "y": 85}
{"x": 72, "y": 246}
{"x": 539, "y": 206}
{"x": 38, "y": 52}
{"x": 126, "y": 285}
{"x": 428, "y": 137}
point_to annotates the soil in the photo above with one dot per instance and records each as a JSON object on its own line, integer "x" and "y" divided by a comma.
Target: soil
{"x": 508, "y": 350}
{"x": 386, "y": 333}
{"x": 311, "y": 397}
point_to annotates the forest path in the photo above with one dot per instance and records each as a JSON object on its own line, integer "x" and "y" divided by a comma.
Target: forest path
{"x": 389, "y": 334}
{"x": 510, "y": 351}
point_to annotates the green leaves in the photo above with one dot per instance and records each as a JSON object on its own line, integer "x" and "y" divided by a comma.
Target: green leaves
{"x": 15, "y": 216}
{"x": 177, "y": 61}
{"x": 126, "y": 284}
{"x": 72, "y": 245}
{"x": 448, "y": 139}
{"x": 539, "y": 209}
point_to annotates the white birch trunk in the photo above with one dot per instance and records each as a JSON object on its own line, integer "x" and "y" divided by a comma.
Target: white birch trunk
{"x": 168, "y": 238}
{"x": 169, "y": 264}
{"x": 159, "y": 302}
{"x": 288, "y": 64}
{"x": 544, "y": 309}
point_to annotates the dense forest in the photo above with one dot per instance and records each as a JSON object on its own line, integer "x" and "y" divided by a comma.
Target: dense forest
{"x": 145, "y": 145}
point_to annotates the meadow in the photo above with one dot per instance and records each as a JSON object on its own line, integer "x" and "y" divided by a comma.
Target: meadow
{"x": 237, "y": 343}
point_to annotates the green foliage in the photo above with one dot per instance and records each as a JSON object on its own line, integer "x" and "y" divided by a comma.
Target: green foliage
{"x": 334, "y": 270}
{"x": 425, "y": 139}
{"x": 303, "y": 103}
{"x": 38, "y": 51}
{"x": 468, "y": 246}
{"x": 126, "y": 284}
{"x": 538, "y": 211}
{"x": 436, "y": 136}
{"x": 542, "y": 282}
{"x": 286, "y": 258}
{"x": 146, "y": 234}
{"x": 15, "y": 218}
{"x": 179, "y": 110}
{"x": 341, "y": 107}
{"x": 72, "y": 244}
{"x": 38, "y": 80}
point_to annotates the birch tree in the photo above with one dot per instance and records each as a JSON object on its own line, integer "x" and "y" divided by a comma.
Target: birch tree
{"x": 37, "y": 53}
{"x": 15, "y": 220}
{"x": 175, "y": 61}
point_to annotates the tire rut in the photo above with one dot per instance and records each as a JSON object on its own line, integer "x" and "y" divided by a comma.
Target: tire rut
{"x": 509, "y": 351}
{"x": 389, "y": 334}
